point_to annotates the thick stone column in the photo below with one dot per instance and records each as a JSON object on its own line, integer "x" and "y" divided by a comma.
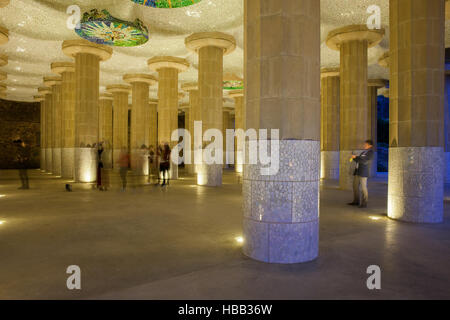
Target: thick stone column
{"x": 416, "y": 153}
{"x": 168, "y": 69}
{"x": 282, "y": 83}
{"x": 194, "y": 115}
{"x": 106, "y": 128}
{"x": 140, "y": 84}
{"x": 447, "y": 126}
{"x": 41, "y": 100}
{"x": 226, "y": 125}
{"x": 67, "y": 72}
{"x": 330, "y": 123}
{"x": 87, "y": 73}
{"x": 239, "y": 112}
{"x": 352, "y": 42}
{"x": 211, "y": 47}
{"x": 372, "y": 120}
{"x": 47, "y": 93}
{"x": 120, "y": 94}
{"x": 152, "y": 123}
{"x": 55, "y": 83}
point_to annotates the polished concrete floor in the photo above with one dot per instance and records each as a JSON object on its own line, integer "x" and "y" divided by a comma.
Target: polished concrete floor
{"x": 180, "y": 243}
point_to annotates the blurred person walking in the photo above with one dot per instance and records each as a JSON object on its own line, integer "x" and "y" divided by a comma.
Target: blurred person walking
{"x": 164, "y": 165}
{"x": 23, "y": 160}
{"x": 124, "y": 162}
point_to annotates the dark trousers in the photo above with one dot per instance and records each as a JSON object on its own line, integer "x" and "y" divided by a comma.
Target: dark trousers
{"x": 23, "y": 174}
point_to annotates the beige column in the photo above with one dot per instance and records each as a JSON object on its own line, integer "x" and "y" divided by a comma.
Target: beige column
{"x": 4, "y": 36}
{"x": 282, "y": 91}
{"x": 416, "y": 112}
{"x": 54, "y": 82}
{"x": 47, "y": 93}
{"x": 330, "y": 123}
{"x": 140, "y": 84}
{"x": 67, "y": 72}
{"x": 4, "y": 3}
{"x": 353, "y": 43}
{"x": 168, "y": 69}
{"x": 105, "y": 119}
{"x": 226, "y": 126}
{"x": 87, "y": 73}
{"x": 41, "y": 100}
{"x": 152, "y": 123}
{"x": 120, "y": 94}
{"x": 211, "y": 47}
{"x": 195, "y": 115}
{"x": 238, "y": 96}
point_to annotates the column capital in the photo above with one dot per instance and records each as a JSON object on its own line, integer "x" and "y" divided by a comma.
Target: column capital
{"x": 52, "y": 81}
{"x": 4, "y": 3}
{"x": 72, "y": 47}
{"x": 106, "y": 96}
{"x": 44, "y": 90}
{"x": 4, "y": 35}
{"x": 228, "y": 109}
{"x": 379, "y": 83}
{"x": 184, "y": 106}
{"x": 221, "y": 40}
{"x": 160, "y": 62}
{"x": 189, "y": 86}
{"x": 354, "y": 33}
{"x": 118, "y": 88}
{"x": 153, "y": 101}
{"x": 3, "y": 87}
{"x": 385, "y": 60}
{"x": 61, "y": 67}
{"x": 140, "y": 77}
{"x": 236, "y": 93}
{"x": 329, "y": 72}
{"x": 231, "y": 77}
{"x": 39, "y": 98}
{"x": 3, "y": 60}
{"x": 385, "y": 92}
{"x": 3, "y": 75}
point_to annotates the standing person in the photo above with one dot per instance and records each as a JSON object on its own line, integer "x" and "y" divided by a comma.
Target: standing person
{"x": 151, "y": 163}
{"x": 159, "y": 152}
{"x": 165, "y": 163}
{"x": 124, "y": 161}
{"x": 23, "y": 160}
{"x": 361, "y": 175}
{"x": 99, "y": 166}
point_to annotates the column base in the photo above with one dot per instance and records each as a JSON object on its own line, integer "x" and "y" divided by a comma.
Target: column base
{"x": 139, "y": 162}
{"x": 329, "y": 165}
{"x": 48, "y": 160}
{"x": 416, "y": 184}
{"x": 347, "y": 168}
{"x": 447, "y": 167}
{"x": 209, "y": 175}
{"x": 281, "y": 212}
{"x": 85, "y": 164}
{"x": 67, "y": 164}
{"x": 42, "y": 159}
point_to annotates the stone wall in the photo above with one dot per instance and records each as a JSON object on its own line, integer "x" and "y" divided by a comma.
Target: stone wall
{"x": 19, "y": 120}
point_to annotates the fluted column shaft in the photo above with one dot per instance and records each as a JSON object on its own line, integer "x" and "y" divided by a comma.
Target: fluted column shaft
{"x": 68, "y": 125}
{"x": 106, "y": 130}
{"x": 152, "y": 124}
{"x": 195, "y": 115}
{"x": 43, "y": 136}
{"x": 57, "y": 128}
{"x": 139, "y": 161}
{"x": 372, "y": 121}
{"x": 48, "y": 133}
{"x": 120, "y": 124}
{"x": 239, "y": 124}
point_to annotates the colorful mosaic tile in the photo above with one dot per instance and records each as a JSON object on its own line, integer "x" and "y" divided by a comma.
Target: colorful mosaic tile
{"x": 166, "y": 4}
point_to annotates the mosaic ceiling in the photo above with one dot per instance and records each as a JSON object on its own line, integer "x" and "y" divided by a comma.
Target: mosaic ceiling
{"x": 38, "y": 27}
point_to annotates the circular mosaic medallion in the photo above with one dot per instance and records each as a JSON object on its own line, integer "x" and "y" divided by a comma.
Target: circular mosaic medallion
{"x": 102, "y": 28}
{"x": 233, "y": 85}
{"x": 166, "y": 4}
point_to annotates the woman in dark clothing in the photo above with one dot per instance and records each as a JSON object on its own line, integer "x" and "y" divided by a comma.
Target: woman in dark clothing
{"x": 164, "y": 165}
{"x": 99, "y": 167}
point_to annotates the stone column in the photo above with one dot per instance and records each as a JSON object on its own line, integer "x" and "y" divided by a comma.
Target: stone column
{"x": 152, "y": 123}
{"x": 4, "y": 35}
{"x": 211, "y": 47}
{"x": 140, "y": 84}
{"x": 168, "y": 69}
{"x": 106, "y": 128}
{"x": 55, "y": 83}
{"x": 87, "y": 73}
{"x": 282, "y": 83}
{"x": 195, "y": 115}
{"x": 47, "y": 93}
{"x": 120, "y": 94}
{"x": 416, "y": 153}
{"x": 238, "y": 96}
{"x": 41, "y": 100}
{"x": 226, "y": 125}
{"x": 372, "y": 119}
{"x": 353, "y": 43}
{"x": 4, "y": 3}
{"x": 447, "y": 126}
{"x": 330, "y": 123}
{"x": 67, "y": 72}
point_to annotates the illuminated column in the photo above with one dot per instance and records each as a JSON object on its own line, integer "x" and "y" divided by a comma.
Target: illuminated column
{"x": 416, "y": 111}
{"x": 372, "y": 119}
{"x": 41, "y": 101}
{"x": 353, "y": 43}
{"x": 330, "y": 93}
{"x": 226, "y": 115}
{"x": 67, "y": 72}
{"x": 140, "y": 84}
{"x": 120, "y": 94}
{"x": 47, "y": 93}
{"x": 106, "y": 128}
{"x": 195, "y": 115}
{"x": 168, "y": 69}
{"x": 239, "y": 112}
{"x": 282, "y": 83}
{"x": 87, "y": 73}
{"x": 211, "y": 47}
{"x": 152, "y": 123}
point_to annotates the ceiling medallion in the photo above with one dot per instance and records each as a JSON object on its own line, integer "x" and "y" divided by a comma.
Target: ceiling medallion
{"x": 166, "y": 4}
{"x": 102, "y": 28}
{"x": 233, "y": 85}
